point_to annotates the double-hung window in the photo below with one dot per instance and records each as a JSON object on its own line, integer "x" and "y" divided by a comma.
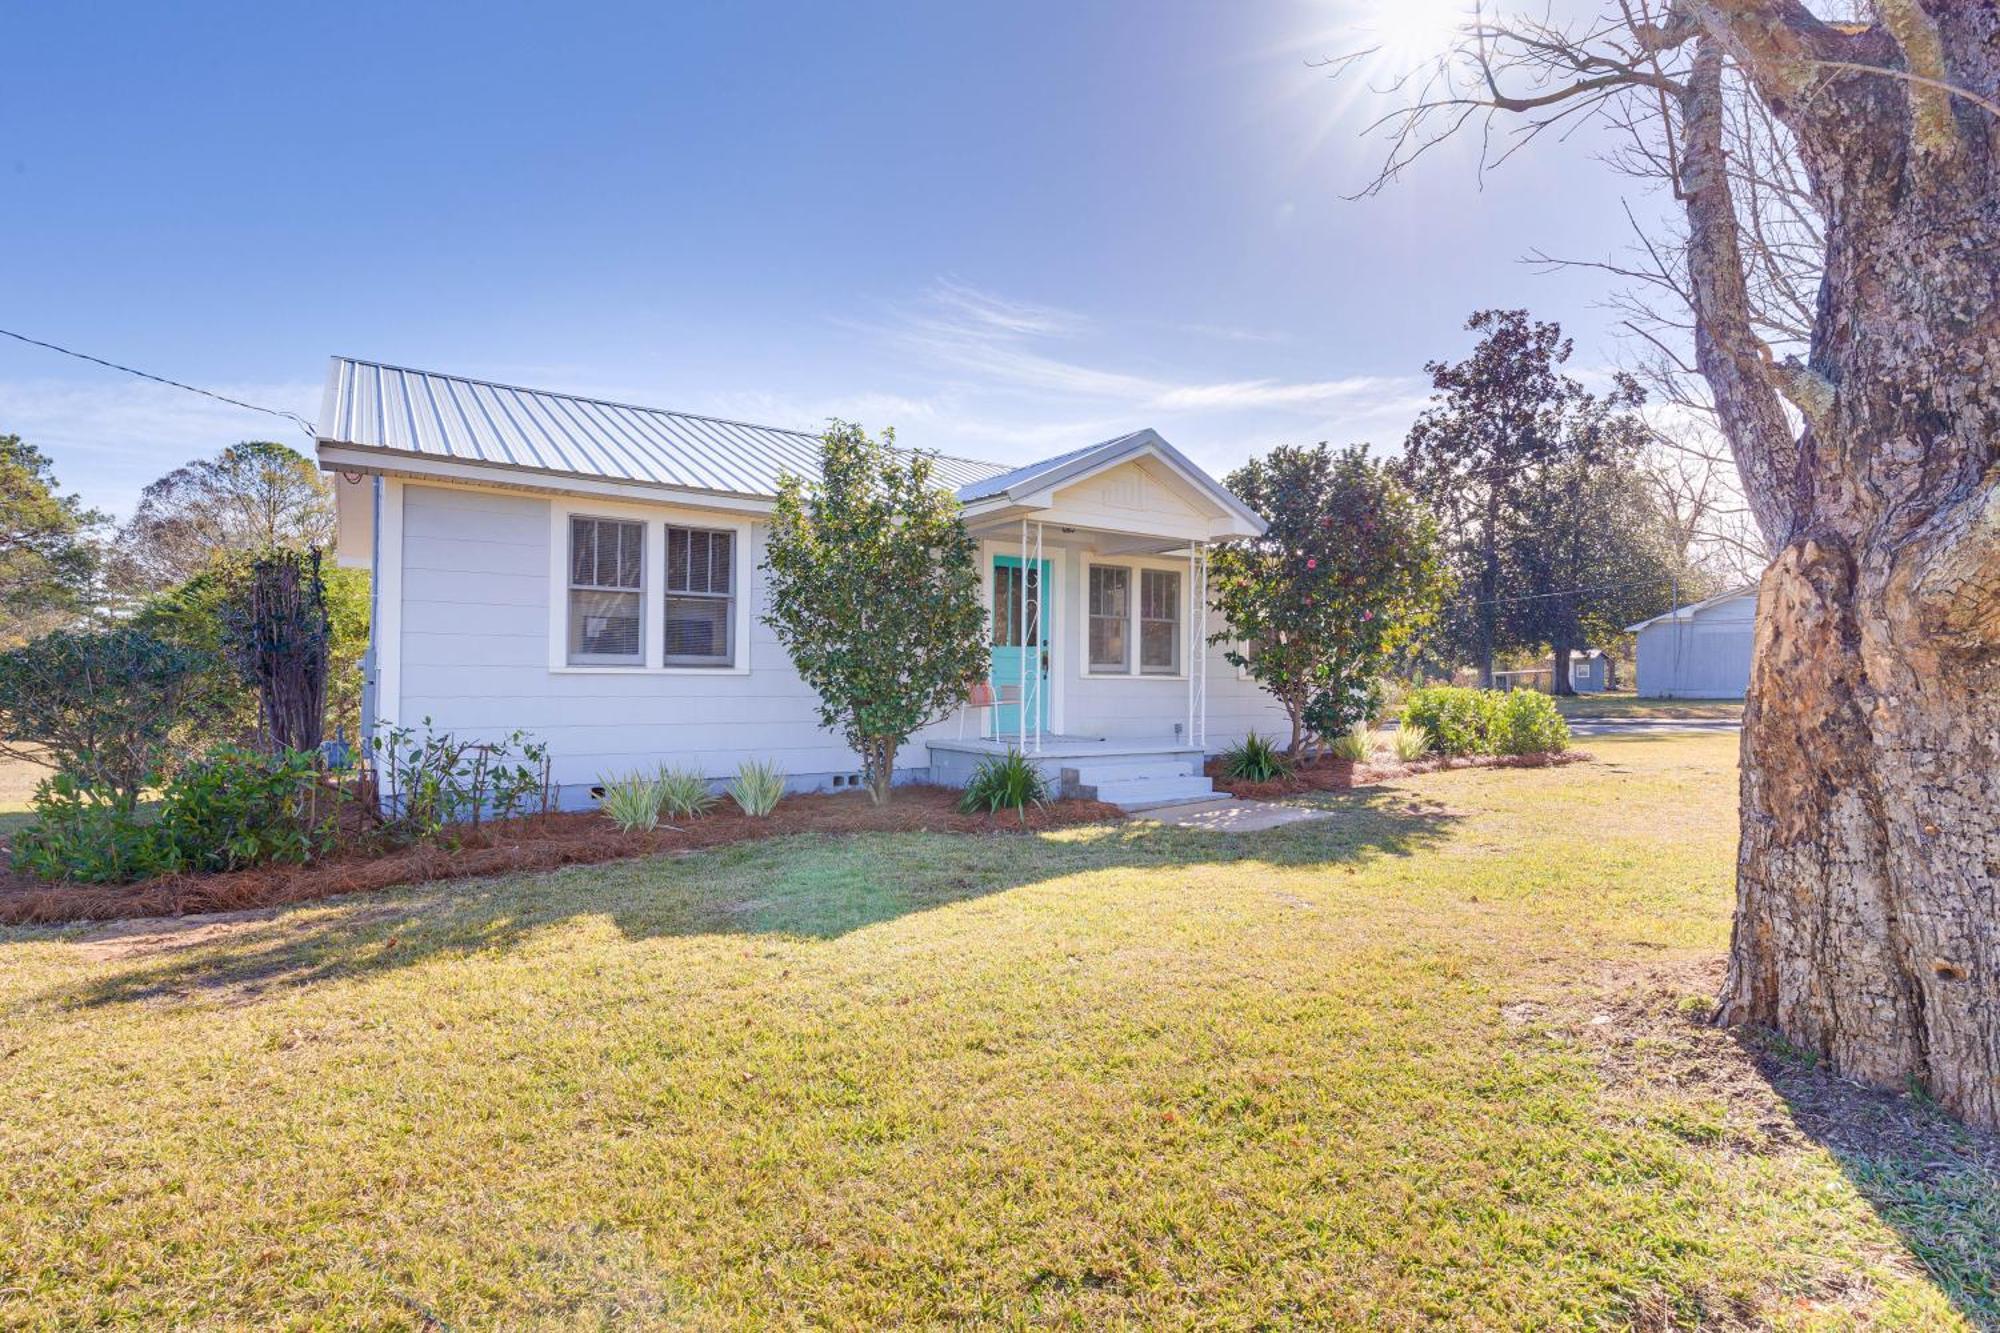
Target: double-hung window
{"x": 1110, "y": 619}
{"x": 700, "y": 611}
{"x": 1159, "y": 622}
{"x": 607, "y": 563}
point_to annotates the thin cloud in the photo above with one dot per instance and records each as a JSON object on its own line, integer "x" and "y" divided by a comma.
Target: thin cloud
{"x": 109, "y": 438}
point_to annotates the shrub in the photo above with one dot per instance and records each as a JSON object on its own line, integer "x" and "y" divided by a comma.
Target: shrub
{"x": 1412, "y": 742}
{"x": 432, "y": 780}
{"x": 685, "y": 793}
{"x": 1457, "y": 719}
{"x": 1355, "y": 744}
{"x": 103, "y": 705}
{"x": 632, "y": 802}
{"x": 236, "y": 807}
{"x": 78, "y": 836}
{"x": 1005, "y": 782}
{"x": 1528, "y": 722}
{"x": 1255, "y": 759}
{"x": 757, "y": 787}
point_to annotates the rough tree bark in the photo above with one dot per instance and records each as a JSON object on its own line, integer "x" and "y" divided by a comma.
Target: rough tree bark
{"x": 1868, "y": 915}
{"x": 1867, "y": 923}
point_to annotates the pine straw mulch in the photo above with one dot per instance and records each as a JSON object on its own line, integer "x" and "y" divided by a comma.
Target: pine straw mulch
{"x": 541, "y": 842}
{"x": 1327, "y": 773}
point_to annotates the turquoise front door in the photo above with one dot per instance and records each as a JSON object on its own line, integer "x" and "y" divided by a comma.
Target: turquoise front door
{"x": 1020, "y": 648}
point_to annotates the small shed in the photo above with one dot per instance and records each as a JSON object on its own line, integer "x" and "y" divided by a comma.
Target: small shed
{"x": 1700, "y": 651}
{"x": 1589, "y": 671}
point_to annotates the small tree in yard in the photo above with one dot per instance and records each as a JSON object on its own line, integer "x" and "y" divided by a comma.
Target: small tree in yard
{"x": 875, "y": 594}
{"x": 102, "y": 707}
{"x": 1347, "y": 573}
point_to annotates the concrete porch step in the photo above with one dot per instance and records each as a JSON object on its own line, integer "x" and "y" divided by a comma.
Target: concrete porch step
{"x": 1146, "y": 793}
{"x": 1128, "y": 768}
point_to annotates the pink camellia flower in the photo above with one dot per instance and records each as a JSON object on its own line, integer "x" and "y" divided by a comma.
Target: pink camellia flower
{"x": 1312, "y": 562}
{"x": 1367, "y": 615}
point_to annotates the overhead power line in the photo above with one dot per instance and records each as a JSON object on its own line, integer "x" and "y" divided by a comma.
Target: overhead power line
{"x": 1563, "y": 592}
{"x": 311, "y": 432}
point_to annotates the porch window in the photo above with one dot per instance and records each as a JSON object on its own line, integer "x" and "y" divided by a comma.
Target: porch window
{"x": 1110, "y": 615}
{"x": 700, "y": 597}
{"x": 607, "y": 560}
{"x": 1159, "y": 622}
{"x": 1008, "y": 631}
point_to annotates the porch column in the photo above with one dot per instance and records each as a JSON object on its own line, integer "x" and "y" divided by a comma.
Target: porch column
{"x": 1021, "y": 707}
{"x": 1197, "y": 630}
{"x": 1201, "y": 647}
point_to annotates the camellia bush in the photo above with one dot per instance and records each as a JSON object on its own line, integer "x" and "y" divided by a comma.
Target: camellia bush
{"x": 875, "y": 594}
{"x": 1346, "y": 574}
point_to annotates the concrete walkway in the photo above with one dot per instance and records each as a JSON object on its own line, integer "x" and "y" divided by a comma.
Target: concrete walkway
{"x": 1233, "y": 816}
{"x": 1647, "y": 726}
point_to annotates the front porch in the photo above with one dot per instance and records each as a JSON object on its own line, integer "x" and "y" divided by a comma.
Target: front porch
{"x": 1136, "y": 773}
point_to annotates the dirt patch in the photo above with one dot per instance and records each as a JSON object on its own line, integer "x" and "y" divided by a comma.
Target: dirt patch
{"x": 1648, "y": 1027}
{"x": 538, "y": 843}
{"x": 1329, "y": 774}
{"x": 153, "y": 937}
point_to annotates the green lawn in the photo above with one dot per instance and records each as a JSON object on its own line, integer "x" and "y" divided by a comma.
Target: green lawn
{"x": 1421, "y": 1063}
{"x": 17, "y": 792}
{"x": 1632, "y": 706}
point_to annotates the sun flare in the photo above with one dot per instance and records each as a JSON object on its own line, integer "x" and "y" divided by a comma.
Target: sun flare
{"x": 1412, "y": 30}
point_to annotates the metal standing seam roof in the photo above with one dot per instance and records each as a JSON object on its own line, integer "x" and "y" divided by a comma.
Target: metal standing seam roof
{"x": 424, "y": 414}
{"x": 1692, "y": 609}
{"x": 1006, "y": 481}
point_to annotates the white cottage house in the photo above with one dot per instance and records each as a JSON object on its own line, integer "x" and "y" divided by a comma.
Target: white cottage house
{"x": 592, "y": 572}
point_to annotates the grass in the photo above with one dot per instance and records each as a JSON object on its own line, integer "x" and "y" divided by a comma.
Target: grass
{"x": 17, "y": 792}
{"x": 1621, "y": 705}
{"x": 1349, "y": 1072}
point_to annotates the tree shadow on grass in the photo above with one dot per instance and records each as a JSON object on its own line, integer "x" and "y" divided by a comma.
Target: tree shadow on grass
{"x": 803, "y": 887}
{"x": 1931, "y": 1179}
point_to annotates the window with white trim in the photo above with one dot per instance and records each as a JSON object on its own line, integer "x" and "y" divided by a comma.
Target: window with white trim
{"x": 607, "y": 564}
{"x": 1110, "y": 618}
{"x": 700, "y": 608}
{"x": 1160, "y": 622}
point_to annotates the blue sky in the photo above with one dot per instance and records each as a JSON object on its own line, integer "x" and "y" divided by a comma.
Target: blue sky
{"x": 1006, "y": 230}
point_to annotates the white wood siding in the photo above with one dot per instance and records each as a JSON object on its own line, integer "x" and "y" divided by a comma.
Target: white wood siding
{"x": 473, "y": 656}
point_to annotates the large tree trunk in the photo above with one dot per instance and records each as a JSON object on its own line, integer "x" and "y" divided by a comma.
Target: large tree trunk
{"x": 1868, "y": 917}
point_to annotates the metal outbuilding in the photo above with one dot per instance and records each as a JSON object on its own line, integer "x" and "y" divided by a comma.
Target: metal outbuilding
{"x": 1699, "y": 651}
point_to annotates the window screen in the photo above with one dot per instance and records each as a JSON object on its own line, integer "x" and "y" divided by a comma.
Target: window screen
{"x": 700, "y": 598}
{"x": 1110, "y": 618}
{"x": 1159, "y": 621}
{"x": 607, "y": 560}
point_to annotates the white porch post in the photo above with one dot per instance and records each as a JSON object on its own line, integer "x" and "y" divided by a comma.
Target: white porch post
{"x": 1041, "y": 638}
{"x": 1193, "y": 552}
{"x": 1201, "y": 650}
{"x": 1197, "y": 648}
{"x": 1021, "y": 696}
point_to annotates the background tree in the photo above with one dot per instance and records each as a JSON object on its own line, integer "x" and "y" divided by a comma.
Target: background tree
{"x": 1591, "y": 548}
{"x": 1864, "y": 923}
{"x": 194, "y": 615}
{"x": 47, "y": 559}
{"x": 1494, "y": 418}
{"x": 105, "y": 707}
{"x": 1348, "y": 571}
{"x": 875, "y": 594}
{"x": 255, "y": 496}
{"x": 279, "y": 637}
